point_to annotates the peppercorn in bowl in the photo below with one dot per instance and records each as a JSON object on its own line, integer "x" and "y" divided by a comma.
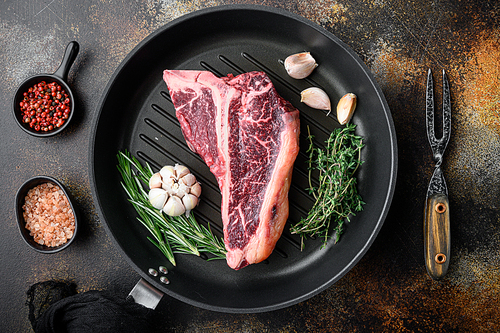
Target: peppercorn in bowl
{"x": 46, "y": 217}
{"x": 44, "y": 104}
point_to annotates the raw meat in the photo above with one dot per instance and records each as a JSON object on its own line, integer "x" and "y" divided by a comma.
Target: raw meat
{"x": 249, "y": 137}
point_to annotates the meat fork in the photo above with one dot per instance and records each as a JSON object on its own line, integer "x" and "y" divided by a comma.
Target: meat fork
{"x": 437, "y": 209}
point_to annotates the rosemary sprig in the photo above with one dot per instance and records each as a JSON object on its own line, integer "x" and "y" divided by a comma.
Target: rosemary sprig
{"x": 179, "y": 234}
{"x": 336, "y": 195}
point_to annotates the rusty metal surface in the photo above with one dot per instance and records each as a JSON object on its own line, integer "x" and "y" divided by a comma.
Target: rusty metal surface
{"x": 389, "y": 290}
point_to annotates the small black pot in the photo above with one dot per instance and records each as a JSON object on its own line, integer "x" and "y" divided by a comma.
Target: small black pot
{"x": 60, "y": 76}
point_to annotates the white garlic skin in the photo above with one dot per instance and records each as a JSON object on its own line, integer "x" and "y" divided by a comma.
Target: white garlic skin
{"x": 316, "y": 98}
{"x": 158, "y": 197}
{"x": 182, "y": 189}
{"x": 167, "y": 184}
{"x": 174, "y": 206}
{"x": 300, "y": 65}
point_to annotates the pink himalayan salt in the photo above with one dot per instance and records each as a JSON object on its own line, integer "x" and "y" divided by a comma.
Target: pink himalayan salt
{"x": 48, "y": 215}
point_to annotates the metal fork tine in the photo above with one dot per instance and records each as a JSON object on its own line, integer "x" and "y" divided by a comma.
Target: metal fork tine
{"x": 429, "y": 109}
{"x": 446, "y": 110}
{"x": 438, "y": 146}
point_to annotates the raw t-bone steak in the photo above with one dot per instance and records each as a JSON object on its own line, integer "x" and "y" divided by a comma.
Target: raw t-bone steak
{"x": 249, "y": 137}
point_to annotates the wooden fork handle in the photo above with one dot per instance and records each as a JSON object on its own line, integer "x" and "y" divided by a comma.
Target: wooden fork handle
{"x": 437, "y": 235}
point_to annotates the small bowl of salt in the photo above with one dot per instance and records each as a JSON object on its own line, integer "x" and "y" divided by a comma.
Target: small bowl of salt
{"x": 45, "y": 214}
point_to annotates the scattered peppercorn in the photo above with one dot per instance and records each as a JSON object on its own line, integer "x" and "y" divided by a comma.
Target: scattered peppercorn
{"x": 45, "y": 106}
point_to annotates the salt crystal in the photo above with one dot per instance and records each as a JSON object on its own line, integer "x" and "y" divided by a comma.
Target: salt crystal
{"x": 50, "y": 203}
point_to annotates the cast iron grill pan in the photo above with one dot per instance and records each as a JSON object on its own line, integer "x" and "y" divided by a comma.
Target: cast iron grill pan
{"x": 136, "y": 114}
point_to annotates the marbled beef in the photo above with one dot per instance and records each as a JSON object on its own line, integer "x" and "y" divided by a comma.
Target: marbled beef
{"x": 248, "y": 136}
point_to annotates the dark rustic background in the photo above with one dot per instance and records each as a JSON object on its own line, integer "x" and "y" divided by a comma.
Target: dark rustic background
{"x": 389, "y": 290}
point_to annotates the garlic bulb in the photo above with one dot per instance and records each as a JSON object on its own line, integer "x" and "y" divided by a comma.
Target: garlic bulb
{"x": 175, "y": 190}
{"x": 316, "y": 98}
{"x": 300, "y": 65}
{"x": 346, "y": 107}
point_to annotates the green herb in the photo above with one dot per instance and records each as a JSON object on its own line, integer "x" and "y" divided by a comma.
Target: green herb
{"x": 179, "y": 234}
{"x": 336, "y": 195}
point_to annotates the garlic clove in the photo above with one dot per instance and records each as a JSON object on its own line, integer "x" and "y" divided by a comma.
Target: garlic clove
{"x": 195, "y": 189}
{"x": 346, "y": 107}
{"x": 157, "y": 197}
{"x": 300, "y": 65}
{"x": 174, "y": 206}
{"x": 316, "y": 98}
{"x": 188, "y": 179}
{"x": 190, "y": 201}
{"x": 155, "y": 181}
{"x": 181, "y": 171}
{"x": 167, "y": 172}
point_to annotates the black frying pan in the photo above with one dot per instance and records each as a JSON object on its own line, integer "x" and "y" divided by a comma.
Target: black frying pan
{"x": 135, "y": 114}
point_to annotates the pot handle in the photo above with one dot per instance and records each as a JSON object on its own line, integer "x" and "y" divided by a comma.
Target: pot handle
{"x": 145, "y": 294}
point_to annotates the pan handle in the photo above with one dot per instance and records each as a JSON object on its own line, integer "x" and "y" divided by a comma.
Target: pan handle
{"x": 68, "y": 59}
{"x": 145, "y": 294}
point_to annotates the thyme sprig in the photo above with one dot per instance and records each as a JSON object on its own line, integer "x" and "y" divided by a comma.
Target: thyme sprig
{"x": 171, "y": 234}
{"x": 336, "y": 196}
